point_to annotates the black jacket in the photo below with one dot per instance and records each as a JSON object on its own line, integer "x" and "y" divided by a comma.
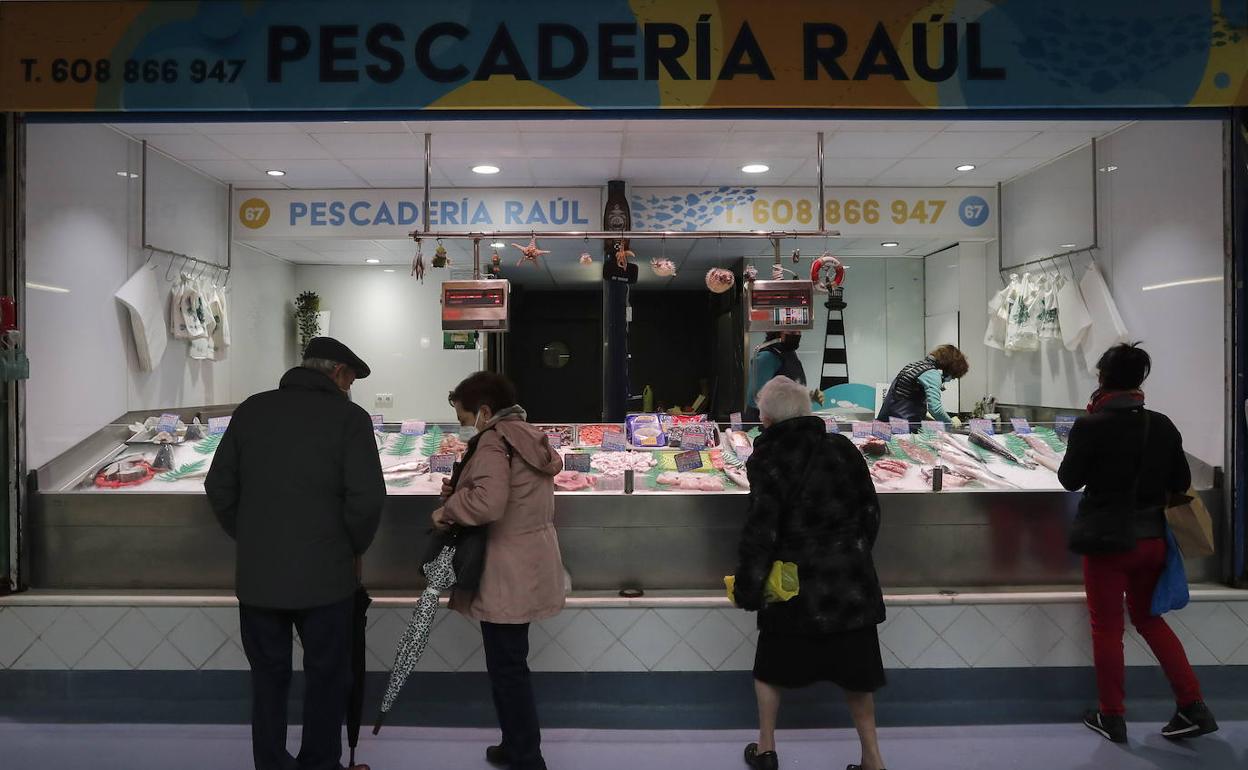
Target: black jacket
{"x": 812, "y": 503}
{"x": 297, "y": 483}
{"x": 1104, "y": 454}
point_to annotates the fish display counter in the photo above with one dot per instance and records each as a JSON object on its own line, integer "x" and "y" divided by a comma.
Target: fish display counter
{"x": 635, "y": 509}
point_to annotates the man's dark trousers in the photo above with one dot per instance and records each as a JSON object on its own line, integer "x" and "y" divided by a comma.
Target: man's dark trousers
{"x": 267, "y": 640}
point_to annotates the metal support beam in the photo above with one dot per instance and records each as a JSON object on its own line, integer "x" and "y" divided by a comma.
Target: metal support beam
{"x": 424, "y": 212}
{"x": 819, "y": 173}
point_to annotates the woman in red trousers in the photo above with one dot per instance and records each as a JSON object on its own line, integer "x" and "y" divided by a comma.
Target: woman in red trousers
{"x": 1118, "y": 447}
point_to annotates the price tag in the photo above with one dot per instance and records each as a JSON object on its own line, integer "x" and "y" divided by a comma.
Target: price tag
{"x": 830, "y": 426}
{"x": 379, "y": 422}
{"x": 1063, "y": 424}
{"x": 693, "y": 437}
{"x": 734, "y": 421}
{"x": 412, "y": 428}
{"x": 614, "y": 441}
{"x": 935, "y": 426}
{"x": 168, "y": 423}
{"x": 442, "y": 464}
{"x": 555, "y": 439}
{"x": 881, "y": 429}
{"x": 982, "y": 425}
{"x": 688, "y": 461}
{"x": 898, "y": 426}
{"x": 217, "y": 425}
{"x": 862, "y": 429}
{"x": 1021, "y": 426}
{"x": 577, "y": 462}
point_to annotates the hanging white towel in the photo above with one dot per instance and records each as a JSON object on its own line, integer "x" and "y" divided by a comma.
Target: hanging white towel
{"x": 1107, "y": 328}
{"x": 141, "y": 296}
{"x": 1073, "y": 315}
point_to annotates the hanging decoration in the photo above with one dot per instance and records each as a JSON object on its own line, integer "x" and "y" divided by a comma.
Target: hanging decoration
{"x": 440, "y": 257}
{"x": 418, "y": 263}
{"x": 827, "y": 272}
{"x": 664, "y": 268}
{"x": 529, "y": 253}
{"x": 750, "y": 273}
{"x": 586, "y": 259}
{"x": 797, "y": 255}
{"x": 623, "y": 254}
{"x": 719, "y": 280}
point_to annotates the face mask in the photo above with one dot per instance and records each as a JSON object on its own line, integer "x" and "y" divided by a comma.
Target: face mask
{"x": 468, "y": 431}
{"x": 788, "y": 344}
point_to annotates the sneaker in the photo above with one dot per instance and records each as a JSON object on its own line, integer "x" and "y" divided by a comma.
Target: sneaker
{"x": 497, "y": 756}
{"x": 854, "y": 767}
{"x": 1191, "y": 721}
{"x": 764, "y": 761}
{"x": 1112, "y": 728}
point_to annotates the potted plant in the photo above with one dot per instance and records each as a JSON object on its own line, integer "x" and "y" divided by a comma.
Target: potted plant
{"x": 307, "y": 319}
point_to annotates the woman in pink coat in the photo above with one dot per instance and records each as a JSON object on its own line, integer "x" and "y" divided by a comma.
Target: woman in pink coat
{"x": 507, "y": 482}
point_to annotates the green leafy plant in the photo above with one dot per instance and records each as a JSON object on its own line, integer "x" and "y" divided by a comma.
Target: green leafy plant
{"x": 403, "y": 445}
{"x": 400, "y": 482}
{"x": 207, "y": 446}
{"x": 188, "y": 469}
{"x": 307, "y": 306}
{"x": 432, "y": 441}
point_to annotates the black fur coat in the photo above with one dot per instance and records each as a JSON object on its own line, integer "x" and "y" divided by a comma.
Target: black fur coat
{"x": 812, "y": 502}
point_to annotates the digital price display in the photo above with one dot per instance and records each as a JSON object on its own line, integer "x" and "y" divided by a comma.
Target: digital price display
{"x": 475, "y": 305}
{"x": 780, "y": 305}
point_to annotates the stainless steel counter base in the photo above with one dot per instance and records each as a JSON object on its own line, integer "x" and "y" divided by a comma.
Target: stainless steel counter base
{"x": 609, "y": 541}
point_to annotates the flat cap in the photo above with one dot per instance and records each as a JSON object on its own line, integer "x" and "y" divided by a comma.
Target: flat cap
{"x": 331, "y": 349}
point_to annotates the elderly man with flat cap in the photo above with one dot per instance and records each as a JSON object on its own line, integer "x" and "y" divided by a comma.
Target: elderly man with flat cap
{"x": 297, "y": 483}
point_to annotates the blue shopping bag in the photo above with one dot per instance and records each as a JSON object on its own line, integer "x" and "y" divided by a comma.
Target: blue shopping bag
{"x": 1171, "y": 591}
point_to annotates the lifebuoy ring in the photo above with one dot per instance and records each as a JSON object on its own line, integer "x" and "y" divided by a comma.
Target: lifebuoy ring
{"x": 823, "y": 263}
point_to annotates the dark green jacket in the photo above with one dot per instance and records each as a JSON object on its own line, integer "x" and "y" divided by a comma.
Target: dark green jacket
{"x": 297, "y": 483}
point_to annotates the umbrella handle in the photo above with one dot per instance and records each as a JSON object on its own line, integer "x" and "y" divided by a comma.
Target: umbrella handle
{"x": 381, "y": 718}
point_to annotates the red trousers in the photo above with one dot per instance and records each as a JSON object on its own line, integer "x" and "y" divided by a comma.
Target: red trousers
{"x": 1106, "y": 579}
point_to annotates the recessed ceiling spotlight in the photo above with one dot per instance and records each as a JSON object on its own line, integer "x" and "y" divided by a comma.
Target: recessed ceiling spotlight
{"x": 485, "y": 169}
{"x": 127, "y": 174}
{"x": 1108, "y": 169}
{"x": 890, "y": 244}
{"x": 372, "y": 261}
{"x": 1067, "y": 245}
{"x": 965, "y": 167}
{"x": 275, "y": 172}
{"x": 498, "y": 245}
{"x": 388, "y": 270}
{"x": 756, "y": 168}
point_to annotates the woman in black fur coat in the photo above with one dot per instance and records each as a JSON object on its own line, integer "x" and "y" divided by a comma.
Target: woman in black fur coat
{"x": 812, "y": 503}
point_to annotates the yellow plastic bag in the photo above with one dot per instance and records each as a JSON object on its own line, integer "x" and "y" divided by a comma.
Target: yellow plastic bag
{"x": 782, "y": 584}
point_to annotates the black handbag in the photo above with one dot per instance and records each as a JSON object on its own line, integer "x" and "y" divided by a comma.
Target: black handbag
{"x": 469, "y": 542}
{"x": 1108, "y": 527}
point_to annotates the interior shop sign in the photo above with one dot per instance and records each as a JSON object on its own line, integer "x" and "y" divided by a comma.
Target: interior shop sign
{"x": 611, "y": 54}
{"x": 951, "y": 212}
{"x": 395, "y": 213}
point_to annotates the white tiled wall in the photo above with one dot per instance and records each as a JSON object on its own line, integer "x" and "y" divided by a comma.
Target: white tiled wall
{"x": 609, "y": 639}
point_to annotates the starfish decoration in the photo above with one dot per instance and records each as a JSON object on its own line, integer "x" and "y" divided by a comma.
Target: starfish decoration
{"x": 622, "y": 253}
{"x": 529, "y": 253}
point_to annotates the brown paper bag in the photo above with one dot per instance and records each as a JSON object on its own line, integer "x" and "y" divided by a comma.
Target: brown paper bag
{"x": 1192, "y": 525}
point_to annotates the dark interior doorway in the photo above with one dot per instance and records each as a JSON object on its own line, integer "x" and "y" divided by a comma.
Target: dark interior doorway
{"x": 554, "y": 354}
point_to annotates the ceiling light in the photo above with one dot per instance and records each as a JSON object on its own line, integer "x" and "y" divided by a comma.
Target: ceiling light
{"x": 275, "y": 172}
{"x": 498, "y": 245}
{"x": 372, "y": 261}
{"x": 1067, "y": 245}
{"x": 46, "y": 287}
{"x": 890, "y": 244}
{"x": 127, "y": 174}
{"x": 388, "y": 270}
{"x": 965, "y": 167}
{"x": 1170, "y": 285}
{"x": 485, "y": 169}
{"x": 1108, "y": 169}
{"x": 756, "y": 168}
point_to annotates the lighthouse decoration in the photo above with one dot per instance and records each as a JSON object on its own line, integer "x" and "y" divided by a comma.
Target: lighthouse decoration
{"x": 828, "y": 274}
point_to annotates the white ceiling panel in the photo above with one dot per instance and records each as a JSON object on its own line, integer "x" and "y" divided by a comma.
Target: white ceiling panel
{"x": 661, "y": 171}
{"x": 311, "y": 173}
{"x": 566, "y": 172}
{"x": 479, "y": 147}
{"x": 351, "y": 146}
{"x": 874, "y": 144}
{"x": 838, "y": 169}
{"x": 723, "y": 171}
{"x": 972, "y": 145}
{"x": 673, "y": 145}
{"x": 339, "y": 245}
{"x": 931, "y": 169}
{"x": 142, "y": 129}
{"x": 296, "y": 146}
{"x": 212, "y": 129}
{"x": 356, "y": 127}
{"x": 470, "y": 126}
{"x": 1098, "y": 127}
{"x": 189, "y": 147}
{"x": 1050, "y": 145}
{"x": 561, "y": 144}
{"x": 680, "y": 126}
{"x": 395, "y": 172}
{"x": 748, "y": 146}
{"x": 1032, "y": 126}
{"x": 571, "y": 125}
{"x": 999, "y": 170}
{"x": 235, "y": 172}
{"x": 918, "y": 126}
{"x": 513, "y": 172}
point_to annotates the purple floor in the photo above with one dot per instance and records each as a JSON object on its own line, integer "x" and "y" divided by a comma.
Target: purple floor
{"x": 1017, "y": 747}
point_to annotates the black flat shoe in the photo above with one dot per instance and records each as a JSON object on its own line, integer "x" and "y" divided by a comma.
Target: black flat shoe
{"x": 854, "y": 767}
{"x": 497, "y": 756}
{"x": 1111, "y": 728}
{"x": 764, "y": 761}
{"x": 1191, "y": 721}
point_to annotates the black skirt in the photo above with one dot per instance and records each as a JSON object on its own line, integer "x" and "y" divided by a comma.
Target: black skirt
{"x": 849, "y": 659}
